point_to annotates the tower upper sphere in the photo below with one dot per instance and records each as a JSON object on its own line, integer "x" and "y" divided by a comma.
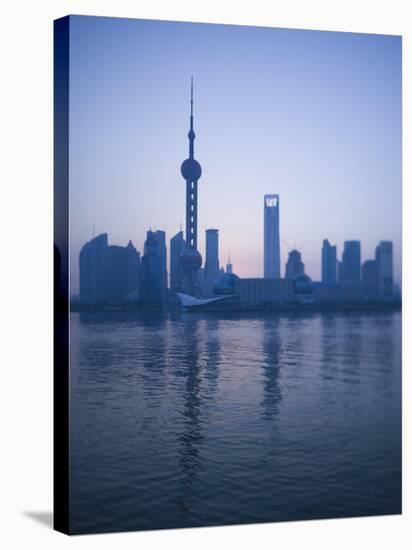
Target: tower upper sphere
{"x": 191, "y": 169}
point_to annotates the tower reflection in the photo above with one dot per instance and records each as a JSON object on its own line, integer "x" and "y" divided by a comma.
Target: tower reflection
{"x": 272, "y": 394}
{"x": 200, "y": 370}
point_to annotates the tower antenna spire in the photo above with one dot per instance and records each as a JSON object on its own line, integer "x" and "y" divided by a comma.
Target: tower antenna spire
{"x": 191, "y": 135}
{"x": 191, "y": 97}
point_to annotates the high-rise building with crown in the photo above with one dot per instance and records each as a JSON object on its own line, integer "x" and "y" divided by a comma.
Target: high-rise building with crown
{"x": 271, "y": 252}
{"x": 294, "y": 265}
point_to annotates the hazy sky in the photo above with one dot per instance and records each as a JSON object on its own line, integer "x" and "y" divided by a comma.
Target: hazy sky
{"x": 313, "y": 116}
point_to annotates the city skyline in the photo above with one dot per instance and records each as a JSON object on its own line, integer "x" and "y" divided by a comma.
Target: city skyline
{"x": 229, "y": 200}
{"x": 135, "y": 205}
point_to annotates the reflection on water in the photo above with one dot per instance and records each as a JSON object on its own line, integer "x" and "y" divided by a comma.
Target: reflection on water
{"x": 199, "y": 419}
{"x": 271, "y": 347}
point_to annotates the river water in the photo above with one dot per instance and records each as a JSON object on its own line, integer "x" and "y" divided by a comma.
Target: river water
{"x": 188, "y": 419}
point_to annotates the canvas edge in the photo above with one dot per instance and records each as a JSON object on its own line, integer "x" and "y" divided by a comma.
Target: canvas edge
{"x": 61, "y": 276}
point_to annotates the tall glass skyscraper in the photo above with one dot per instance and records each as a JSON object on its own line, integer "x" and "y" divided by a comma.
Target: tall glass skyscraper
{"x": 177, "y": 246}
{"x": 271, "y": 253}
{"x": 108, "y": 273}
{"x": 153, "y": 268}
{"x": 384, "y": 259}
{"x": 329, "y": 263}
{"x": 211, "y": 271}
{"x": 351, "y": 262}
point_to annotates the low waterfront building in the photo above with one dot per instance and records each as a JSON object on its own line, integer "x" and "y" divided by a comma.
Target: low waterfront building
{"x": 264, "y": 292}
{"x": 225, "y": 284}
{"x": 217, "y": 303}
{"x": 338, "y": 294}
{"x": 303, "y": 289}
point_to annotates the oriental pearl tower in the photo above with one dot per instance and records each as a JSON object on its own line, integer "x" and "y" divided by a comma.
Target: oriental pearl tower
{"x": 190, "y": 259}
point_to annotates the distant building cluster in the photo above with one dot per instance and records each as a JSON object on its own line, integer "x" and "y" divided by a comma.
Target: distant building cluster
{"x": 350, "y": 280}
{"x": 112, "y": 274}
{"x": 116, "y": 274}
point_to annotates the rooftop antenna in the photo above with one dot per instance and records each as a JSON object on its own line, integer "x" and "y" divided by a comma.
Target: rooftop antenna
{"x": 191, "y": 134}
{"x": 191, "y": 97}
{"x": 229, "y": 265}
{"x": 287, "y": 245}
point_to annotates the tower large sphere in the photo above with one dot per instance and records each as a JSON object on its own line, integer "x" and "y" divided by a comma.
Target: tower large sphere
{"x": 190, "y": 260}
{"x": 191, "y": 170}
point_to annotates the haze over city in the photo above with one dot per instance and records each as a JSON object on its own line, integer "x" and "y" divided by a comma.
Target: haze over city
{"x": 312, "y": 116}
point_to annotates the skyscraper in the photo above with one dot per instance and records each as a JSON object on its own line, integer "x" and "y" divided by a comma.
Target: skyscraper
{"x": 294, "y": 265}
{"x": 161, "y": 247}
{"x": 153, "y": 269}
{"x": 123, "y": 272}
{"x": 92, "y": 270}
{"x": 370, "y": 279}
{"x": 329, "y": 263}
{"x": 271, "y": 237}
{"x": 211, "y": 270}
{"x": 351, "y": 262}
{"x": 108, "y": 273}
{"x": 191, "y": 260}
{"x": 177, "y": 246}
{"x": 384, "y": 260}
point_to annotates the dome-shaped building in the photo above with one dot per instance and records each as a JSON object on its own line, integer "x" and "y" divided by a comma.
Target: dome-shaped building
{"x": 303, "y": 288}
{"x": 225, "y": 284}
